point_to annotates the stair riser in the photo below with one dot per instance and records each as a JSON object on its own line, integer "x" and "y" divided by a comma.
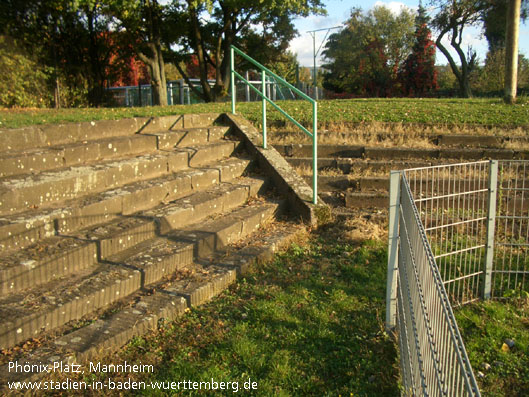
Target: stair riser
{"x": 30, "y": 327}
{"x": 204, "y": 243}
{"x": 21, "y": 195}
{"x": 201, "y": 136}
{"x": 41, "y": 271}
{"x": 78, "y": 155}
{"x": 123, "y": 201}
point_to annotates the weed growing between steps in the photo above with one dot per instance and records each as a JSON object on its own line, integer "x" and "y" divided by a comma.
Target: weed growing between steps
{"x": 488, "y": 328}
{"x": 308, "y": 323}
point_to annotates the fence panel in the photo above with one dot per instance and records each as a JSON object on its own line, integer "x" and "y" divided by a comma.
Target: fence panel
{"x": 510, "y": 273}
{"x": 433, "y": 357}
{"x": 452, "y": 201}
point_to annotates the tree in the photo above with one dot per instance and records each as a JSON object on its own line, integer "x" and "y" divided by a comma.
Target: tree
{"x": 418, "y": 74}
{"x": 69, "y": 39}
{"x": 494, "y": 26}
{"x": 365, "y": 56}
{"x": 511, "y": 51}
{"x": 262, "y": 29}
{"x": 143, "y": 23}
{"x": 451, "y": 20}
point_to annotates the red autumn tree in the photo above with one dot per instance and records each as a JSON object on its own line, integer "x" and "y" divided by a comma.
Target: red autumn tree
{"x": 418, "y": 74}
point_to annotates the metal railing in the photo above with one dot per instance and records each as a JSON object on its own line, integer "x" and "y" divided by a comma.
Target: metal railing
{"x": 473, "y": 221}
{"x": 432, "y": 353}
{"x": 266, "y": 73}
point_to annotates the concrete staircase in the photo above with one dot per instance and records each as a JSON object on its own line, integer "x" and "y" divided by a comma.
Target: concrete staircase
{"x": 106, "y": 228}
{"x": 358, "y": 176}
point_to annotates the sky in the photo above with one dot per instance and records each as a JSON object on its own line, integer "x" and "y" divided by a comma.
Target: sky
{"x": 338, "y": 11}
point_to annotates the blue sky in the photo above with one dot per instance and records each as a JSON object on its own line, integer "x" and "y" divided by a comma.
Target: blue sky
{"x": 338, "y": 11}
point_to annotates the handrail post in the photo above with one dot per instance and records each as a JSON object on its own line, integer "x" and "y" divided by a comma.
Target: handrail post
{"x": 263, "y": 82}
{"x": 315, "y": 153}
{"x": 232, "y": 80}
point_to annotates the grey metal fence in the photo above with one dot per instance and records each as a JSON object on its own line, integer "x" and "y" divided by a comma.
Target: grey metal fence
{"x": 433, "y": 357}
{"x": 457, "y": 233}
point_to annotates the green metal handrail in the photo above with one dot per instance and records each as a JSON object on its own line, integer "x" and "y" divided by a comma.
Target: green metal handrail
{"x": 262, "y": 93}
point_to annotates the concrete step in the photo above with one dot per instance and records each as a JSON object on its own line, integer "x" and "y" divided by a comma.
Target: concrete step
{"x": 45, "y": 159}
{"x": 400, "y": 153}
{"x": 188, "y": 287}
{"x": 348, "y": 165}
{"x": 128, "y": 268}
{"x": 20, "y": 194}
{"x": 58, "y": 256}
{"x": 69, "y": 133}
{"x": 22, "y": 230}
{"x": 189, "y": 136}
{"x": 221, "y": 231}
{"x": 366, "y": 200}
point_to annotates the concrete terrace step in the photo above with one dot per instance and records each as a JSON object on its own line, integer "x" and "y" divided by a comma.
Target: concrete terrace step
{"x": 187, "y": 287}
{"x": 400, "y": 153}
{"x": 19, "y": 194}
{"x": 61, "y": 255}
{"x": 69, "y": 133}
{"x": 59, "y": 301}
{"x": 18, "y": 231}
{"x": 189, "y": 136}
{"x": 45, "y": 159}
{"x": 349, "y": 165}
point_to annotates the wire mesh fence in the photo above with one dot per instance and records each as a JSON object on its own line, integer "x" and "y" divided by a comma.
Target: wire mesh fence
{"x": 458, "y": 233}
{"x": 510, "y": 273}
{"x": 433, "y": 357}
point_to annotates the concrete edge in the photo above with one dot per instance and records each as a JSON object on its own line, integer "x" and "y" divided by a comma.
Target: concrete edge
{"x": 284, "y": 177}
{"x": 37, "y": 136}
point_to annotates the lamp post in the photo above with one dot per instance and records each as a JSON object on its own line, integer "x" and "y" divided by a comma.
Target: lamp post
{"x": 315, "y": 73}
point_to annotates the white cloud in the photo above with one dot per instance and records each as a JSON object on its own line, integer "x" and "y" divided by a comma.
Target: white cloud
{"x": 395, "y": 7}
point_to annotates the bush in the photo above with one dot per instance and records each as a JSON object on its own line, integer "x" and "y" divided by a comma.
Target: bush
{"x": 24, "y": 82}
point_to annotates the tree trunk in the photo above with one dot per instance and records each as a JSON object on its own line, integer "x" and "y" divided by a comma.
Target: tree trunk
{"x": 156, "y": 66}
{"x": 511, "y": 51}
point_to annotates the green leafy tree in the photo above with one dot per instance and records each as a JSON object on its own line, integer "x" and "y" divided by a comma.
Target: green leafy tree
{"x": 451, "y": 20}
{"x": 365, "y": 56}
{"x": 207, "y": 29}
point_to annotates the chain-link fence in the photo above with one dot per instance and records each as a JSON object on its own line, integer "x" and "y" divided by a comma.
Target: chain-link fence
{"x": 458, "y": 233}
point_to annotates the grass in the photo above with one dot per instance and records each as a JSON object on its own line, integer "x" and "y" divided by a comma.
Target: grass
{"x": 395, "y": 110}
{"x": 310, "y": 323}
{"x": 485, "y": 327}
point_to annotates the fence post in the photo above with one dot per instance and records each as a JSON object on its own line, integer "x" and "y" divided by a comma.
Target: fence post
{"x": 314, "y": 153}
{"x": 491, "y": 225}
{"x": 247, "y": 77}
{"x": 232, "y": 79}
{"x": 181, "y": 91}
{"x": 393, "y": 247}
{"x": 263, "y": 83}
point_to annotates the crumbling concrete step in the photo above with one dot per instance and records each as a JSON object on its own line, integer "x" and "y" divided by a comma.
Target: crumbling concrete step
{"x": 366, "y": 200}
{"x": 214, "y": 234}
{"x": 45, "y": 159}
{"x": 189, "y": 136}
{"x": 324, "y": 151}
{"x": 57, "y": 256}
{"x": 348, "y": 165}
{"x": 165, "y": 301}
{"x": 221, "y": 198}
{"x": 332, "y": 183}
{"x": 60, "y": 301}
{"x": 155, "y": 258}
{"x": 21, "y": 230}
{"x": 176, "y": 122}
{"x": 19, "y": 194}
{"x": 41, "y": 263}
{"x": 62, "y": 134}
